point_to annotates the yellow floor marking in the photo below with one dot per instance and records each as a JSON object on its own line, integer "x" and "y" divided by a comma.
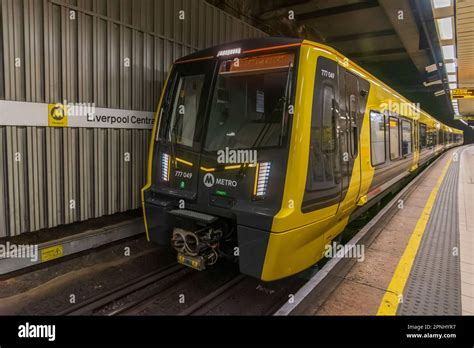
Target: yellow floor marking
{"x": 394, "y": 292}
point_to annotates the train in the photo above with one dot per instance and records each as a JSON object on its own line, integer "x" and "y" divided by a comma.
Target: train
{"x": 263, "y": 150}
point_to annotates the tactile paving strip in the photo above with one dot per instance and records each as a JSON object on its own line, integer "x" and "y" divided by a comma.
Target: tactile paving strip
{"x": 434, "y": 285}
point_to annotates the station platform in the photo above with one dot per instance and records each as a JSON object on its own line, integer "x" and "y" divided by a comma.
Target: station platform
{"x": 420, "y": 261}
{"x": 21, "y": 252}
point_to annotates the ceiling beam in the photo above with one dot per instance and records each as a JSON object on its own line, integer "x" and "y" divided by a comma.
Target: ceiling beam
{"x": 364, "y": 54}
{"x": 360, "y": 36}
{"x": 331, "y": 11}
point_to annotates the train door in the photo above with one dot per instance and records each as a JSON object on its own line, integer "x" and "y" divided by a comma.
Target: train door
{"x": 350, "y": 123}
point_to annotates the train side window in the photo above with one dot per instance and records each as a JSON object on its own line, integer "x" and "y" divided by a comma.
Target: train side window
{"x": 377, "y": 137}
{"x": 394, "y": 138}
{"x": 423, "y": 137}
{"x": 406, "y": 138}
{"x": 322, "y": 149}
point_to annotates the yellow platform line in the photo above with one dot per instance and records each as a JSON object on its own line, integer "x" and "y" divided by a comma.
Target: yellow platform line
{"x": 394, "y": 292}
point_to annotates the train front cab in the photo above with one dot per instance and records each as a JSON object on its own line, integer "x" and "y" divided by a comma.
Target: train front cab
{"x": 319, "y": 183}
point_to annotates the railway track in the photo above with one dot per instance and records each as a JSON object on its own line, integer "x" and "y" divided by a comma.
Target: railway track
{"x": 92, "y": 304}
{"x": 220, "y": 290}
{"x": 214, "y": 298}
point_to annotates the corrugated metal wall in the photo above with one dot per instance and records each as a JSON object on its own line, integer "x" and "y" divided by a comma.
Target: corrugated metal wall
{"x": 78, "y": 50}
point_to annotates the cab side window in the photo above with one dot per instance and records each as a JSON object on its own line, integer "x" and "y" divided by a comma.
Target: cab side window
{"x": 322, "y": 147}
{"x": 323, "y": 178}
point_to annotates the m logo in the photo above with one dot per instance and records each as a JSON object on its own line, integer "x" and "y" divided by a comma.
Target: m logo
{"x": 57, "y": 115}
{"x": 209, "y": 180}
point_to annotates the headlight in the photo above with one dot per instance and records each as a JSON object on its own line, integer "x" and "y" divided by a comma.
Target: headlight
{"x": 165, "y": 167}
{"x": 262, "y": 173}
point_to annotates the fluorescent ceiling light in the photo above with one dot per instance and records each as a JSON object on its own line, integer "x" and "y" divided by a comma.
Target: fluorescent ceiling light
{"x": 452, "y": 78}
{"x": 445, "y": 28}
{"x": 448, "y": 52}
{"x": 450, "y": 67}
{"x": 441, "y": 3}
{"x": 437, "y": 82}
{"x": 453, "y": 85}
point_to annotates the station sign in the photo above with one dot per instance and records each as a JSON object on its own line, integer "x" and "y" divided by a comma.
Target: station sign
{"x": 462, "y": 93}
{"x": 72, "y": 115}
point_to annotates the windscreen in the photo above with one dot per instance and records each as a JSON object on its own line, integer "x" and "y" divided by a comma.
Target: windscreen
{"x": 250, "y": 103}
{"x": 185, "y": 110}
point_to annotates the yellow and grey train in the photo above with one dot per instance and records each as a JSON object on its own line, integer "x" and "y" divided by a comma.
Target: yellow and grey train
{"x": 263, "y": 150}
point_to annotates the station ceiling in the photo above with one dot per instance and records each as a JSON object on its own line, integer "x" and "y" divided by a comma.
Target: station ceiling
{"x": 394, "y": 40}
